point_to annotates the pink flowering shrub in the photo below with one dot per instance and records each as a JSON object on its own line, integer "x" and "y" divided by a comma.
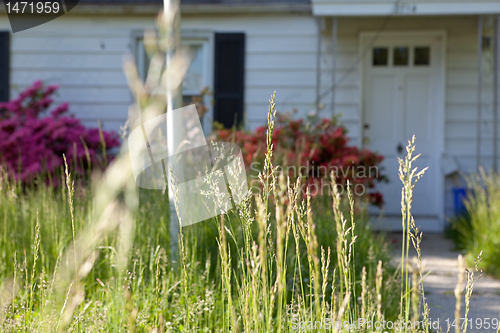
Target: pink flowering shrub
{"x": 33, "y": 142}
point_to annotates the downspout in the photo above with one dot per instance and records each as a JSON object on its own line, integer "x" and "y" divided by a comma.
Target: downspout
{"x": 319, "y": 23}
{"x": 334, "y": 62}
{"x": 479, "y": 86}
{"x": 495, "y": 95}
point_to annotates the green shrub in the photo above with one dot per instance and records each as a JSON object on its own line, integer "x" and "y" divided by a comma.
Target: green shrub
{"x": 479, "y": 229}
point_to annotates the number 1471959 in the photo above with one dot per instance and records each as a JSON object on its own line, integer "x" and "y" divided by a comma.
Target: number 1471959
{"x": 477, "y": 324}
{"x": 32, "y": 7}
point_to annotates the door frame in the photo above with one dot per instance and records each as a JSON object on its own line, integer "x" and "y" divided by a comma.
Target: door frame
{"x": 365, "y": 41}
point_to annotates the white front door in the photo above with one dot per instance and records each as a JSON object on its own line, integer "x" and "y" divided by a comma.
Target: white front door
{"x": 402, "y": 97}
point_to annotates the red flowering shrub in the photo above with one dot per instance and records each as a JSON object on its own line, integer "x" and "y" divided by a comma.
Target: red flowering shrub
{"x": 31, "y": 144}
{"x": 312, "y": 151}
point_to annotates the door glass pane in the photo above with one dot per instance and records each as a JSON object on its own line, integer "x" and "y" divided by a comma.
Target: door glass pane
{"x": 422, "y": 56}
{"x": 380, "y": 56}
{"x": 401, "y": 56}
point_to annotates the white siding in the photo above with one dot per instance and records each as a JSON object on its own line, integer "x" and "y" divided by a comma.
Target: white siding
{"x": 83, "y": 54}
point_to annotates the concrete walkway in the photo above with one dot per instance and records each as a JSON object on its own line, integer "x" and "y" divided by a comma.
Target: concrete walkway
{"x": 441, "y": 265}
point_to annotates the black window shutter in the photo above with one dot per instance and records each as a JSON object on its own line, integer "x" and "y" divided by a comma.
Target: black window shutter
{"x": 229, "y": 78}
{"x": 4, "y": 65}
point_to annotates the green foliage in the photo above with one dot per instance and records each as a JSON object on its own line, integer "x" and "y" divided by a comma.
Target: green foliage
{"x": 479, "y": 229}
{"x": 278, "y": 256}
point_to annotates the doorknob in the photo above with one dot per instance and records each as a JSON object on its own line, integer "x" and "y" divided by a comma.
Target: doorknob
{"x": 400, "y": 148}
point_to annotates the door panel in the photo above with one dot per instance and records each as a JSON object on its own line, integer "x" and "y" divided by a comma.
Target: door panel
{"x": 418, "y": 114}
{"x": 419, "y": 110}
{"x": 383, "y": 127}
{"x": 381, "y": 110}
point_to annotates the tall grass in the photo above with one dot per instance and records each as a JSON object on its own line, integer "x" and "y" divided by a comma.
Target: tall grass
{"x": 95, "y": 259}
{"x": 478, "y": 231}
{"x": 409, "y": 177}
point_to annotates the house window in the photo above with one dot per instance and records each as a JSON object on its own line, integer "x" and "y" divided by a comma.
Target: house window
{"x": 142, "y": 59}
{"x": 196, "y": 78}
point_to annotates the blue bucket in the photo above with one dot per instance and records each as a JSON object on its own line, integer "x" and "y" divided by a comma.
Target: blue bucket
{"x": 459, "y": 197}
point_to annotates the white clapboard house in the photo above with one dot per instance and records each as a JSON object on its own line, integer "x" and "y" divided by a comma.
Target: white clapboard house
{"x": 390, "y": 68}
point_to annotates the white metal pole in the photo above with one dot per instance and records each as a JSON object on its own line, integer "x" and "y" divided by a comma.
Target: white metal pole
{"x": 495, "y": 95}
{"x": 479, "y": 86}
{"x": 174, "y": 120}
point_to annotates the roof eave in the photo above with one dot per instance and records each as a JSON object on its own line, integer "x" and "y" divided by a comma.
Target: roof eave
{"x": 260, "y": 8}
{"x": 415, "y": 8}
{"x": 106, "y": 9}
{"x": 190, "y": 9}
